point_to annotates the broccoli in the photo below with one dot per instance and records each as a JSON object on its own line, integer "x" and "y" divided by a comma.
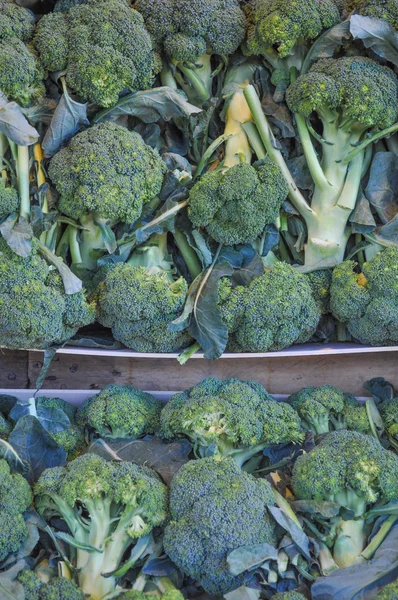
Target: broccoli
{"x": 35, "y": 311}
{"x": 165, "y": 590}
{"x": 367, "y": 301}
{"x": 110, "y": 506}
{"x": 320, "y": 282}
{"x": 102, "y": 45}
{"x": 58, "y": 588}
{"x": 16, "y": 22}
{"x": 72, "y": 438}
{"x": 5, "y": 427}
{"x": 9, "y": 201}
{"x": 327, "y": 408}
{"x": 351, "y": 97}
{"x": 15, "y": 499}
{"x": 378, "y": 9}
{"x": 21, "y": 75}
{"x": 140, "y": 298}
{"x": 104, "y": 176}
{"x": 188, "y": 33}
{"x": 216, "y": 508}
{"x": 282, "y": 31}
{"x": 276, "y": 310}
{"x": 121, "y": 411}
{"x": 389, "y": 413}
{"x": 389, "y": 592}
{"x": 354, "y": 471}
{"x": 229, "y": 418}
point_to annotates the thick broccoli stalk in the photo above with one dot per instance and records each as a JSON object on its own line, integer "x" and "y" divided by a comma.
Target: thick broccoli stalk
{"x": 103, "y": 46}
{"x": 188, "y": 33}
{"x": 216, "y": 508}
{"x": 121, "y": 411}
{"x": 350, "y": 97}
{"x": 58, "y": 588}
{"x": 138, "y": 300}
{"x": 282, "y": 31}
{"x": 367, "y": 300}
{"x": 104, "y": 176}
{"x": 35, "y": 311}
{"x": 15, "y": 499}
{"x": 327, "y": 408}
{"x": 275, "y": 311}
{"x": 111, "y": 507}
{"x": 354, "y": 471}
{"x": 230, "y": 418}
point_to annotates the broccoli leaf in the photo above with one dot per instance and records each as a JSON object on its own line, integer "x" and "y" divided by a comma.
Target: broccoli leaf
{"x": 247, "y": 557}
{"x": 11, "y": 456}
{"x": 243, "y": 593}
{"x": 7, "y": 403}
{"x": 382, "y": 187}
{"x": 376, "y": 34}
{"x": 18, "y": 235}
{"x": 11, "y": 590}
{"x": 14, "y": 124}
{"x": 326, "y": 44}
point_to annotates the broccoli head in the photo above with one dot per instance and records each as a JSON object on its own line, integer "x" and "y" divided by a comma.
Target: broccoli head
{"x": 320, "y": 282}
{"x": 235, "y": 205}
{"x": 378, "y": 9}
{"x": 58, "y": 588}
{"x": 5, "y": 427}
{"x": 367, "y": 301}
{"x": 9, "y": 201}
{"x": 282, "y": 31}
{"x": 230, "y": 418}
{"x": 106, "y": 505}
{"x": 389, "y": 592}
{"x": 21, "y": 76}
{"x": 107, "y": 170}
{"x": 103, "y": 46}
{"x": 139, "y": 299}
{"x": 354, "y": 471}
{"x": 15, "y": 499}
{"x": 327, "y": 408}
{"x": 35, "y": 311}
{"x": 121, "y": 411}
{"x": 275, "y": 311}
{"x": 389, "y": 413}
{"x": 215, "y": 508}
{"x": 15, "y": 22}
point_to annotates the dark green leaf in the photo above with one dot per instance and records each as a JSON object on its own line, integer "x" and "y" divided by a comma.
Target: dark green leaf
{"x": 18, "y": 235}
{"x": 107, "y": 235}
{"x": 14, "y": 124}
{"x": 279, "y": 115}
{"x": 326, "y": 45}
{"x": 362, "y": 219}
{"x": 150, "y": 106}
{"x": 376, "y": 34}
{"x": 313, "y": 507}
{"x": 11, "y": 456}
{"x": 298, "y": 536}
{"x": 53, "y": 419}
{"x": 387, "y": 234}
{"x": 95, "y": 340}
{"x": 243, "y": 593}
{"x": 382, "y": 187}
{"x": 35, "y": 447}
{"x": 246, "y": 557}
{"x": 251, "y": 266}
{"x": 71, "y": 283}
{"x": 68, "y": 118}
{"x": 10, "y": 590}
{"x": 380, "y": 389}
{"x": 159, "y": 567}
{"x": 7, "y": 403}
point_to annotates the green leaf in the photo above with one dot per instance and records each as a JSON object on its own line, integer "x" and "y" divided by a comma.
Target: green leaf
{"x": 326, "y": 45}
{"x": 18, "y": 235}
{"x": 71, "y": 541}
{"x": 12, "y": 457}
{"x": 72, "y": 284}
{"x": 68, "y": 118}
{"x": 14, "y": 124}
{"x": 10, "y": 590}
{"x": 376, "y": 34}
{"x": 243, "y": 593}
{"x": 246, "y": 557}
{"x": 314, "y": 507}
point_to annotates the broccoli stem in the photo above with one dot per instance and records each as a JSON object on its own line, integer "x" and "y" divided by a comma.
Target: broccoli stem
{"x": 23, "y": 181}
{"x": 379, "y": 537}
{"x": 328, "y": 565}
{"x": 92, "y": 244}
{"x": 188, "y": 253}
{"x": 41, "y": 180}
{"x": 74, "y": 245}
{"x": 3, "y": 150}
{"x": 208, "y": 154}
{"x": 184, "y": 356}
{"x": 166, "y": 76}
{"x": 350, "y": 539}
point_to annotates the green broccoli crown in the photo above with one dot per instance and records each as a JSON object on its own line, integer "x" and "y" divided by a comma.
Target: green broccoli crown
{"x": 236, "y": 414}
{"x": 61, "y": 589}
{"x": 35, "y": 312}
{"x": 108, "y": 170}
{"x": 355, "y": 415}
{"x": 104, "y": 47}
{"x": 15, "y": 499}
{"x": 199, "y": 536}
{"x": 278, "y": 310}
{"x": 9, "y": 201}
{"x": 367, "y": 301}
{"x": 89, "y": 480}
{"x": 72, "y": 440}
{"x": 235, "y": 205}
{"x": 347, "y": 461}
{"x": 20, "y": 72}
{"x": 389, "y": 413}
{"x": 280, "y": 25}
{"x": 355, "y": 88}
{"x": 378, "y": 9}
{"x": 320, "y": 282}
{"x": 319, "y": 408}
{"x": 288, "y": 596}
{"x": 121, "y": 411}
{"x": 389, "y": 592}
{"x": 15, "y": 22}
{"x": 31, "y": 584}
{"x": 5, "y": 428}
{"x": 187, "y": 28}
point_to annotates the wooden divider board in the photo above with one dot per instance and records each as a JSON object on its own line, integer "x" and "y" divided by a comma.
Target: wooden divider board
{"x": 280, "y": 375}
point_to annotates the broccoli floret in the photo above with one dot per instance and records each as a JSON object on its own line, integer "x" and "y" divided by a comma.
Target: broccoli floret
{"x": 288, "y": 596}
{"x": 189, "y": 32}
{"x": 275, "y": 311}
{"x": 15, "y": 499}
{"x": 139, "y": 299}
{"x": 236, "y": 204}
{"x": 35, "y": 312}
{"x": 15, "y": 22}
{"x": 166, "y": 590}
{"x": 378, "y": 9}
{"x": 367, "y": 302}
{"x": 230, "y": 418}
{"x": 389, "y": 592}
{"x": 58, "y": 588}
{"x": 282, "y": 31}
{"x": 103, "y": 46}
{"x": 389, "y": 413}
{"x": 66, "y": 407}
{"x": 121, "y": 411}
{"x": 109, "y": 506}
{"x": 20, "y": 72}
{"x": 354, "y": 471}
{"x": 5, "y": 427}
{"x": 215, "y": 508}
{"x": 31, "y": 584}
{"x": 327, "y": 408}
{"x": 320, "y": 282}
{"x": 9, "y": 201}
